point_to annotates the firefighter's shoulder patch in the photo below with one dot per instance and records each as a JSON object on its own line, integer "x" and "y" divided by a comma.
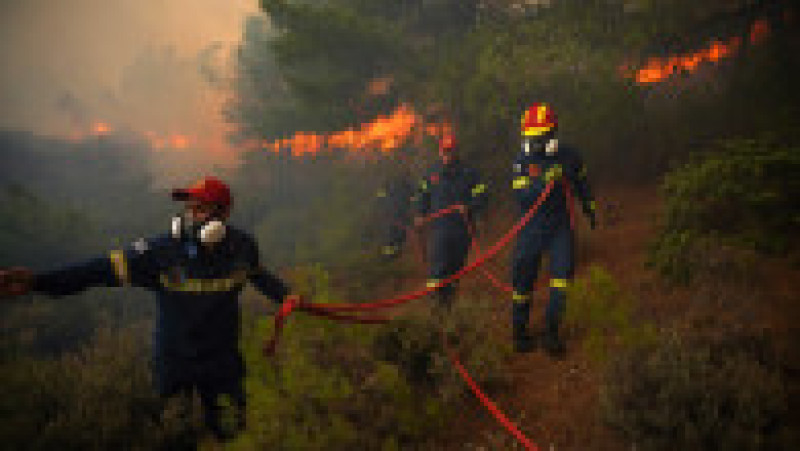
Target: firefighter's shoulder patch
{"x": 434, "y": 178}
{"x": 534, "y": 170}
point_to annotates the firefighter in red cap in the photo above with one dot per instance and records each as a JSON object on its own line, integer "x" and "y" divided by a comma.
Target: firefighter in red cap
{"x": 449, "y": 183}
{"x": 543, "y": 160}
{"x": 197, "y": 271}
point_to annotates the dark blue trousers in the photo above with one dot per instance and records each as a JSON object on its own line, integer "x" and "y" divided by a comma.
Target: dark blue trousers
{"x": 447, "y": 253}
{"x": 543, "y": 234}
{"x": 211, "y": 379}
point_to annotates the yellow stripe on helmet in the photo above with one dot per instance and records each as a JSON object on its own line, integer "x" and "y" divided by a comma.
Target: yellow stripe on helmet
{"x": 536, "y": 131}
{"x": 541, "y": 113}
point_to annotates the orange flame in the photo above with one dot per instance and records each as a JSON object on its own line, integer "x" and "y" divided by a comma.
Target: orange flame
{"x": 176, "y": 141}
{"x": 179, "y": 141}
{"x": 383, "y": 134}
{"x": 100, "y": 129}
{"x": 658, "y": 69}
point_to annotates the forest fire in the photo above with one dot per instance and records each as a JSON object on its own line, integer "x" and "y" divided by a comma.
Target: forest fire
{"x": 156, "y": 141}
{"x": 383, "y": 134}
{"x": 658, "y": 69}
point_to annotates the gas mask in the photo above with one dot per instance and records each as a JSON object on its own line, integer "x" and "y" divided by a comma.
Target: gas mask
{"x": 547, "y": 144}
{"x": 211, "y": 231}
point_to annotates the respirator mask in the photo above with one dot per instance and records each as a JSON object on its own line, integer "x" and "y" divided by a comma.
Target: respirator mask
{"x": 547, "y": 144}
{"x": 185, "y": 228}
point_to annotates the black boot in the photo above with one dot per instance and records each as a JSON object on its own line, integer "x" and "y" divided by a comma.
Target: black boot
{"x": 552, "y": 343}
{"x": 523, "y": 340}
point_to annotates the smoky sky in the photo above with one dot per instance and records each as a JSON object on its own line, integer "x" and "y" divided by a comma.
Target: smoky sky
{"x": 143, "y": 65}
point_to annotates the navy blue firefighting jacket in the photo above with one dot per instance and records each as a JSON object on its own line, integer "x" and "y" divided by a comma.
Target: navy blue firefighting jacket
{"x": 196, "y": 288}
{"x": 534, "y": 170}
{"x": 446, "y": 185}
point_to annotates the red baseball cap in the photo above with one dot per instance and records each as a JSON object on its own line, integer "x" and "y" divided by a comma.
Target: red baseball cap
{"x": 209, "y": 190}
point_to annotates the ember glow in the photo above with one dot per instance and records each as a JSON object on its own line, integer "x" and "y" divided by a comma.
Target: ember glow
{"x": 383, "y": 134}
{"x": 100, "y": 129}
{"x": 658, "y": 69}
{"x": 157, "y": 141}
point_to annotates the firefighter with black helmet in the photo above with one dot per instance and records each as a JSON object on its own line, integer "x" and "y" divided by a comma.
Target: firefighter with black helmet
{"x": 542, "y": 160}
{"x": 197, "y": 271}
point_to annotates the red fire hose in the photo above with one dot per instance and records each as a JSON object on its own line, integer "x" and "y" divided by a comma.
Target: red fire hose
{"x": 333, "y": 310}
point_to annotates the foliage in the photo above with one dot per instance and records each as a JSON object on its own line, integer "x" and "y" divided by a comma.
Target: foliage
{"x": 341, "y": 386}
{"x": 35, "y": 230}
{"x": 599, "y": 310}
{"x": 322, "y": 210}
{"x": 99, "y": 397}
{"x": 698, "y": 392}
{"x": 742, "y": 196}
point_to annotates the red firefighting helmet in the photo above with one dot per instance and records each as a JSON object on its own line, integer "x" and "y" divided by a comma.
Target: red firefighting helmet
{"x": 447, "y": 143}
{"x": 209, "y": 190}
{"x": 538, "y": 119}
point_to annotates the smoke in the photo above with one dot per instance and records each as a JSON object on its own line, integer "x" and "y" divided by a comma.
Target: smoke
{"x": 147, "y": 66}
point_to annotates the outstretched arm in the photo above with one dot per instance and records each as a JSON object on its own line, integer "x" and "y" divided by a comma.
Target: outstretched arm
{"x": 134, "y": 266}
{"x": 265, "y": 281}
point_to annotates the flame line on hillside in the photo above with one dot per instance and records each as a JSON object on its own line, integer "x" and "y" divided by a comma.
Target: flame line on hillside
{"x": 657, "y": 69}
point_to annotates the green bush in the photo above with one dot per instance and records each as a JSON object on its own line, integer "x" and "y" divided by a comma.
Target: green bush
{"x": 342, "y": 386}
{"x": 698, "y": 392}
{"x": 330, "y": 385}
{"x": 99, "y": 397}
{"x": 603, "y": 314}
{"x": 740, "y": 197}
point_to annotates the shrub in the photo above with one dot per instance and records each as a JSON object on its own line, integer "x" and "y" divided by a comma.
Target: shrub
{"x": 603, "y": 314}
{"x": 740, "y": 196}
{"x": 342, "y": 386}
{"x": 99, "y": 397}
{"x": 698, "y": 392}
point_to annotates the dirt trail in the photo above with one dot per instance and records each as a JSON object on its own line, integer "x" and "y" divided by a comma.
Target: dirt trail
{"x": 556, "y": 402}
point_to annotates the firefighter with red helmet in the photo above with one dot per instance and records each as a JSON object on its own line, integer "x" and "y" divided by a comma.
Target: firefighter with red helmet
{"x": 449, "y": 183}
{"x": 197, "y": 271}
{"x": 543, "y": 159}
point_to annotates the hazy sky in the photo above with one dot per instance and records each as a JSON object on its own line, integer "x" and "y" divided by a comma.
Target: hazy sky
{"x": 137, "y": 64}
